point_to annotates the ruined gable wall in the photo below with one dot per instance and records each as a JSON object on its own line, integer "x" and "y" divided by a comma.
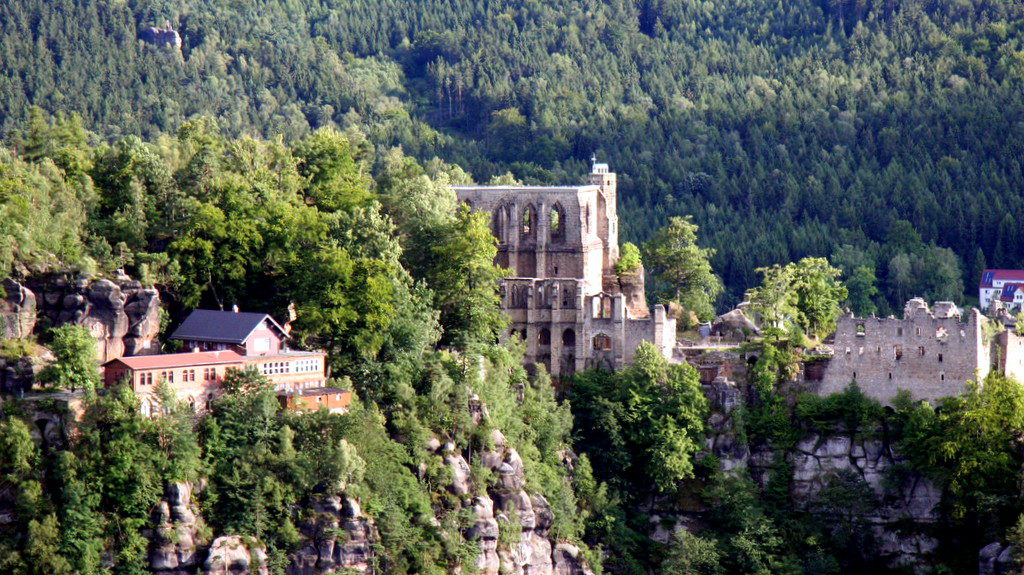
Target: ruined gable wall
{"x": 930, "y": 365}
{"x": 575, "y": 253}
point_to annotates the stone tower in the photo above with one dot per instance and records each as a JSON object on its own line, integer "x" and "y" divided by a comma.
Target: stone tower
{"x": 608, "y": 218}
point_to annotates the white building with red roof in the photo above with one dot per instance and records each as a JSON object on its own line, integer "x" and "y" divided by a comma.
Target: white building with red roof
{"x": 1004, "y": 286}
{"x": 220, "y": 341}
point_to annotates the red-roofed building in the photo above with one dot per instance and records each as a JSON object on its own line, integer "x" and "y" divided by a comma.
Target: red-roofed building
{"x": 197, "y": 377}
{"x": 1005, "y": 286}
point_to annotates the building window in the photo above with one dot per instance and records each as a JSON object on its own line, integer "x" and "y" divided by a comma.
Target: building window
{"x": 890, "y": 375}
{"x": 602, "y": 342}
{"x": 860, "y": 329}
{"x": 261, "y": 345}
{"x": 920, "y": 350}
{"x": 940, "y": 358}
{"x": 544, "y": 337}
{"x": 918, "y": 331}
{"x": 897, "y": 352}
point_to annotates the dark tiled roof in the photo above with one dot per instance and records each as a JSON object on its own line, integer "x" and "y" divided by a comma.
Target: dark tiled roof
{"x": 222, "y": 326}
{"x": 990, "y": 276}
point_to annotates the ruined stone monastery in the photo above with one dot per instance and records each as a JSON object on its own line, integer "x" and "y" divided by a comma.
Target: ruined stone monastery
{"x": 563, "y": 296}
{"x": 932, "y": 353}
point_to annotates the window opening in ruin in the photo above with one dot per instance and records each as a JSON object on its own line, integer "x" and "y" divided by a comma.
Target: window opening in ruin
{"x": 899, "y": 332}
{"x": 544, "y": 338}
{"x": 568, "y": 338}
{"x": 855, "y": 375}
{"x": 940, "y": 358}
{"x": 897, "y": 351}
{"x": 942, "y": 377}
{"x": 941, "y": 332}
{"x": 847, "y": 351}
{"x": 500, "y": 224}
{"x": 890, "y": 375}
{"x": 527, "y": 227}
{"x": 602, "y": 342}
{"x": 920, "y": 350}
{"x": 861, "y": 350}
{"x": 918, "y": 331}
{"x": 878, "y": 349}
{"x": 556, "y": 271}
{"x": 860, "y": 329}
{"x": 557, "y": 223}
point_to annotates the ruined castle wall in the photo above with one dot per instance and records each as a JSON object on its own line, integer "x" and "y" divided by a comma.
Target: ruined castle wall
{"x": 1010, "y": 348}
{"x": 929, "y": 356}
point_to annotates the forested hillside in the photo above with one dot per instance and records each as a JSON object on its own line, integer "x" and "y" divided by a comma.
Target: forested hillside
{"x": 786, "y": 129}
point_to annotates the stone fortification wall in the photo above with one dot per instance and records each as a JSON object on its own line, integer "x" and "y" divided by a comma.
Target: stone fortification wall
{"x": 930, "y": 353}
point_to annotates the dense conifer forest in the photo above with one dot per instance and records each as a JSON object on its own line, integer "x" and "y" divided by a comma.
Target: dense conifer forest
{"x": 785, "y": 129}
{"x": 298, "y": 156}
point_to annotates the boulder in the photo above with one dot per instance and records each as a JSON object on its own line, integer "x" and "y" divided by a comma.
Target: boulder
{"x": 230, "y": 555}
{"x": 566, "y": 560}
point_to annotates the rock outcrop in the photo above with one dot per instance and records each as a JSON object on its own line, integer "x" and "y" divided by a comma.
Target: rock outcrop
{"x": 998, "y": 559}
{"x": 507, "y": 507}
{"x": 908, "y": 503}
{"x": 124, "y": 317}
{"x": 175, "y": 539}
{"x": 338, "y": 537}
{"x": 17, "y": 311}
{"x": 165, "y": 37}
{"x": 231, "y": 556}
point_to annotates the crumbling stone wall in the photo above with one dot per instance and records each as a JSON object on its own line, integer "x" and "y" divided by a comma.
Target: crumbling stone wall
{"x": 930, "y": 353}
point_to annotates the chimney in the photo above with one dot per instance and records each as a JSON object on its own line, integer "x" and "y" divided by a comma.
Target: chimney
{"x": 234, "y": 308}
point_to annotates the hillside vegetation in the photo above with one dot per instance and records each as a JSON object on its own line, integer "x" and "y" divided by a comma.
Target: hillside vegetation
{"x": 786, "y": 130}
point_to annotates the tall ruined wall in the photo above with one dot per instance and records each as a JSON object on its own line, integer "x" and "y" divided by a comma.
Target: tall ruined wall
{"x": 530, "y": 243}
{"x": 932, "y": 355}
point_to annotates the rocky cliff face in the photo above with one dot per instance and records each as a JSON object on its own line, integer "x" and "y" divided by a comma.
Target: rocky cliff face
{"x": 998, "y": 559}
{"x": 124, "y": 316}
{"x": 908, "y": 502}
{"x": 176, "y": 536}
{"x": 338, "y": 536}
{"x": 506, "y": 507}
{"x": 18, "y": 311}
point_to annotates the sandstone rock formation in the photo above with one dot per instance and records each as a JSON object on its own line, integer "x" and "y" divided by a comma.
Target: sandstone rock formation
{"x": 175, "y": 539}
{"x": 906, "y": 510}
{"x": 231, "y": 556}
{"x": 124, "y": 317}
{"x": 998, "y": 559}
{"x": 338, "y": 537}
{"x": 507, "y": 505}
{"x": 17, "y": 310}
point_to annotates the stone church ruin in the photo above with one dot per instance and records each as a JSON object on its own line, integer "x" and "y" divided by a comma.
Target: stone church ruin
{"x": 563, "y": 296}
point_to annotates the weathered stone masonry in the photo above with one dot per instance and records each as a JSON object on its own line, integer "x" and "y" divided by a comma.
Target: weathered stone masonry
{"x": 564, "y": 298}
{"x": 932, "y": 353}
